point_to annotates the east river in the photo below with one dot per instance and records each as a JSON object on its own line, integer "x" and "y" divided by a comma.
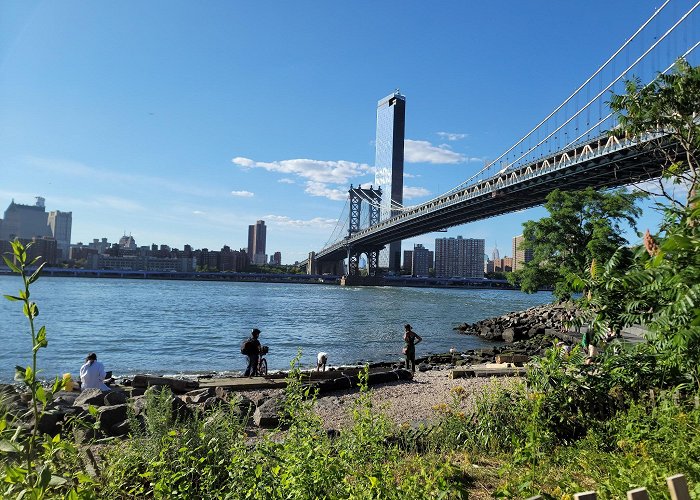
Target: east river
{"x": 184, "y": 327}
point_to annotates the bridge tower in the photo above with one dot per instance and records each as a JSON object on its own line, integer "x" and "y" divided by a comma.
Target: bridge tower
{"x": 373, "y": 197}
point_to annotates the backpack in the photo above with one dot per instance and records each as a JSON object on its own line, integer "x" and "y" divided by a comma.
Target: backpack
{"x": 248, "y": 346}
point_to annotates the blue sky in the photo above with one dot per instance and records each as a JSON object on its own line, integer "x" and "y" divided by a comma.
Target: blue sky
{"x": 184, "y": 122}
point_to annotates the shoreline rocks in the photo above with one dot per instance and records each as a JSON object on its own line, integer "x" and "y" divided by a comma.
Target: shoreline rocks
{"x": 523, "y": 325}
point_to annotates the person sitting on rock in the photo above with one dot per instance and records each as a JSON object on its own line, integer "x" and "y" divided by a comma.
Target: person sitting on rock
{"x": 92, "y": 374}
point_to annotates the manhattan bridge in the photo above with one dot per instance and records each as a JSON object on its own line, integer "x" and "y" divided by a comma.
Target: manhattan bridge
{"x": 572, "y": 148}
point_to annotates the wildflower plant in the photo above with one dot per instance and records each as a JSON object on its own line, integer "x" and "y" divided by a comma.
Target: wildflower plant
{"x": 35, "y": 477}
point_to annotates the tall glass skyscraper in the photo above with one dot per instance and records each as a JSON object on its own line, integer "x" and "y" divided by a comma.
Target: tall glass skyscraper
{"x": 388, "y": 162}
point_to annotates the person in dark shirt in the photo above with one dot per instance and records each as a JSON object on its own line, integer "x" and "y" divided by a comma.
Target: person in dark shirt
{"x": 253, "y": 353}
{"x": 411, "y": 338}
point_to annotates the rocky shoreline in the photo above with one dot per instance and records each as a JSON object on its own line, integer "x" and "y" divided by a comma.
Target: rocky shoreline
{"x": 548, "y": 321}
{"x": 407, "y": 398}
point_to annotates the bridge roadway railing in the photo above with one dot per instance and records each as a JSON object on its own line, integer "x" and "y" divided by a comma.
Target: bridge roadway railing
{"x": 588, "y": 151}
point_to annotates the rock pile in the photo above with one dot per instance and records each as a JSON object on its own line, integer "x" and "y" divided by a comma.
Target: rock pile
{"x": 545, "y": 320}
{"x": 95, "y": 414}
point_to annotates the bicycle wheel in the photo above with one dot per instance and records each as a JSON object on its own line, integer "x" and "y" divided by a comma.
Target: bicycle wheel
{"x": 262, "y": 367}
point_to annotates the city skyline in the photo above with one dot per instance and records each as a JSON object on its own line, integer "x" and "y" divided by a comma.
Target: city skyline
{"x": 181, "y": 125}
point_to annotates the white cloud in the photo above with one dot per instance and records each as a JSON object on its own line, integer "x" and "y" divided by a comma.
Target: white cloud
{"x": 316, "y": 222}
{"x": 425, "y": 152}
{"x": 450, "y": 136}
{"x": 323, "y": 190}
{"x": 242, "y": 194}
{"x": 410, "y": 192}
{"x": 243, "y": 162}
{"x": 286, "y": 180}
{"x": 199, "y": 212}
{"x": 334, "y": 172}
{"x": 406, "y": 175}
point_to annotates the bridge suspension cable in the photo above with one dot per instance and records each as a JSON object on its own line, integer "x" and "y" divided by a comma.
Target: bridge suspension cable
{"x": 602, "y": 92}
{"x": 609, "y": 115}
{"x": 559, "y": 128}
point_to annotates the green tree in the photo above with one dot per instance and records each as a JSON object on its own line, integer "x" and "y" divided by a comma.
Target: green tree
{"x": 582, "y": 226}
{"x": 660, "y": 285}
{"x": 669, "y": 106}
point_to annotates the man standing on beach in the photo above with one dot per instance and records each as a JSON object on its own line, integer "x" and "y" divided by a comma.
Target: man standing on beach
{"x": 251, "y": 348}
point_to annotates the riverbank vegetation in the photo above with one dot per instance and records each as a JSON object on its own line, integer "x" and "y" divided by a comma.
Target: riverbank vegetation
{"x": 628, "y": 417}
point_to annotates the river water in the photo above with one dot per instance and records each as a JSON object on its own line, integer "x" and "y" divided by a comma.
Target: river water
{"x": 180, "y": 327}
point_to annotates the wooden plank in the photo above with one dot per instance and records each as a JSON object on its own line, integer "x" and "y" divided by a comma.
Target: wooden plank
{"x": 678, "y": 487}
{"x": 586, "y": 495}
{"x": 512, "y": 358}
{"x": 638, "y": 494}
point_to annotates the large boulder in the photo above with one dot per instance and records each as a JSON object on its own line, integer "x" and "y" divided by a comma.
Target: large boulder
{"x": 267, "y": 415}
{"x": 94, "y": 397}
{"x": 108, "y": 416}
{"x": 115, "y": 398}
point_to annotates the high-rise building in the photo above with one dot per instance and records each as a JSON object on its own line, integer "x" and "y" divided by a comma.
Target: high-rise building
{"x": 407, "y": 262}
{"x": 257, "y": 236}
{"x": 276, "y": 259}
{"x": 60, "y": 224}
{"x": 388, "y": 162}
{"x": 25, "y": 221}
{"x": 422, "y": 260}
{"x": 520, "y": 255}
{"x": 494, "y": 254}
{"x": 459, "y": 257}
{"x": 128, "y": 242}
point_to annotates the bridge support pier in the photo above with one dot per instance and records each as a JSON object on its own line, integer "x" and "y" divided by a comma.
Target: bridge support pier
{"x": 315, "y": 266}
{"x": 354, "y": 261}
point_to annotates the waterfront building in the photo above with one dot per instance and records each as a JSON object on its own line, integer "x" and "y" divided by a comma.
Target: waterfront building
{"x": 520, "y": 255}
{"x": 25, "y": 221}
{"x": 422, "y": 260}
{"x": 207, "y": 260}
{"x": 141, "y": 263}
{"x": 231, "y": 260}
{"x": 44, "y": 248}
{"x": 60, "y": 224}
{"x": 128, "y": 242}
{"x": 459, "y": 257}
{"x": 507, "y": 264}
{"x": 276, "y": 259}
{"x": 80, "y": 251}
{"x": 388, "y": 162}
{"x": 102, "y": 246}
{"x": 257, "y": 237}
{"x": 407, "y": 262}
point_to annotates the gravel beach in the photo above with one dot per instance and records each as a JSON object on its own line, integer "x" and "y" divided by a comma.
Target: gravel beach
{"x": 410, "y": 402}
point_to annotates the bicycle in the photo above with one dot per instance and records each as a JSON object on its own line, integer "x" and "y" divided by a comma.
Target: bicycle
{"x": 262, "y": 362}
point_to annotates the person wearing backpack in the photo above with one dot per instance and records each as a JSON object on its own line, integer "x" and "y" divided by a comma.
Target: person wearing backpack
{"x": 251, "y": 348}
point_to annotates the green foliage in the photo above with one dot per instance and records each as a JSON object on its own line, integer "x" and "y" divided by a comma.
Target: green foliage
{"x": 582, "y": 226}
{"x": 34, "y": 480}
{"x": 669, "y": 105}
{"x": 211, "y": 456}
{"x": 657, "y": 285}
{"x": 640, "y": 446}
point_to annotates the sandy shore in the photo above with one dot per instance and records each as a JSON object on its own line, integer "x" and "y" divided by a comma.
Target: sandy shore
{"x": 411, "y": 402}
